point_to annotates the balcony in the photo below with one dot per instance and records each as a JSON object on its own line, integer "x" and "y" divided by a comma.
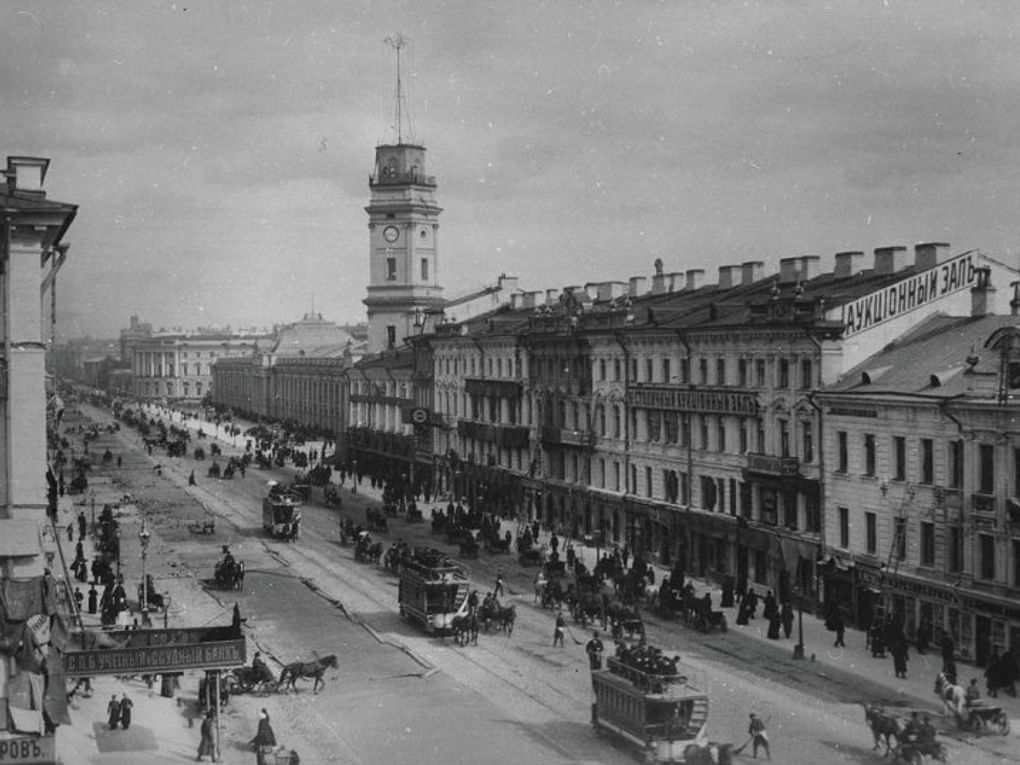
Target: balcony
{"x": 506, "y": 436}
{"x": 983, "y": 503}
{"x": 773, "y": 467}
{"x": 583, "y": 438}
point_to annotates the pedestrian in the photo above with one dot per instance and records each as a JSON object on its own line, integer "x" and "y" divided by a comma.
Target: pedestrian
{"x": 625, "y": 556}
{"x": 786, "y": 617}
{"x": 561, "y": 625}
{"x": 594, "y": 649}
{"x": 554, "y": 543}
{"x": 540, "y": 583}
{"x": 948, "y": 657}
{"x": 207, "y": 746}
{"x": 759, "y": 736}
{"x": 840, "y": 627}
{"x": 900, "y": 656}
{"x": 93, "y": 597}
{"x": 571, "y": 555}
{"x": 78, "y": 598}
{"x": 113, "y": 712}
{"x": 265, "y": 739}
{"x": 125, "y": 711}
{"x": 191, "y": 478}
{"x": 922, "y": 637}
{"x": 81, "y": 525}
{"x": 498, "y": 589}
{"x": 774, "y": 624}
{"x": 70, "y": 532}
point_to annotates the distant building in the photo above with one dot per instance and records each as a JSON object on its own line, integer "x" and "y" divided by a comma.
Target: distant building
{"x": 178, "y": 367}
{"x": 298, "y": 375}
{"x": 130, "y": 336}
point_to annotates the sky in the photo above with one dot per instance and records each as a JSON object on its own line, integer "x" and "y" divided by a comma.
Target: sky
{"x": 220, "y": 150}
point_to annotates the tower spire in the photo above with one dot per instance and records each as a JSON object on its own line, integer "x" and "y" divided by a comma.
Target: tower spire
{"x": 398, "y": 41}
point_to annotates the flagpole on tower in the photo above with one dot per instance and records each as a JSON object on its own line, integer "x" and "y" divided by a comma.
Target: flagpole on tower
{"x": 398, "y": 41}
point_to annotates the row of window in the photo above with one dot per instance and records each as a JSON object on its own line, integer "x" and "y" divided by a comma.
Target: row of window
{"x": 391, "y": 269}
{"x": 750, "y": 372}
{"x": 924, "y": 471}
{"x": 985, "y": 547}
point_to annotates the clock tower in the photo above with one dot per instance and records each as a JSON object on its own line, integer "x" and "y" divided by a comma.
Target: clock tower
{"x": 403, "y": 230}
{"x": 403, "y": 226}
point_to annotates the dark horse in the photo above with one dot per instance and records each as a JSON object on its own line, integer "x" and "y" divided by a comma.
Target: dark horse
{"x": 882, "y": 725}
{"x": 304, "y": 670}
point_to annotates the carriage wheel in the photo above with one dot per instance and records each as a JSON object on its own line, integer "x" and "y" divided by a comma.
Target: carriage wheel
{"x": 1002, "y": 720}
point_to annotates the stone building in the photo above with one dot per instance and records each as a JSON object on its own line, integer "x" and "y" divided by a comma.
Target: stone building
{"x": 179, "y": 366}
{"x": 678, "y": 417}
{"x": 922, "y": 476}
{"x": 31, "y": 233}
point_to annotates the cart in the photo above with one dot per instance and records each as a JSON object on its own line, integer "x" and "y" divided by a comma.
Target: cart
{"x": 980, "y": 717}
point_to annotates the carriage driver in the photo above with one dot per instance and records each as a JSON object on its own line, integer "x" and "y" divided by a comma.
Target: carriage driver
{"x": 228, "y": 559}
{"x": 913, "y": 730}
{"x": 972, "y": 697}
{"x": 260, "y": 669}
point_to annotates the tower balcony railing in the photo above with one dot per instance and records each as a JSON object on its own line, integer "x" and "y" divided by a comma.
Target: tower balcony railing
{"x": 401, "y": 179}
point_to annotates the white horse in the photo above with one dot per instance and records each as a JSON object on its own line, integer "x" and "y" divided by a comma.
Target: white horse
{"x": 952, "y": 696}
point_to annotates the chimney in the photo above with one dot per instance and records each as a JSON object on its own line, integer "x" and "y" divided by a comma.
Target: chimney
{"x": 637, "y": 286}
{"x": 508, "y": 283}
{"x": 530, "y": 299}
{"x": 889, "y": 260}
{"x": 694, "y": 279}
{"x": 658, "y": 284}
{"x": 927, "y": 255}
{"x": 606, "y": 291}
{"x": 26, "y": 174}
{"x": 753, "y": 270}
{"x": 789, "y": 270}
{"x": 551, "y": 296}
{"x": 729, "y": 277}
{"x": 810, "y": 267}
{"x": 982, "y": 294}
{"x": 848, "y": 264}
{"x": 675, "y": 281}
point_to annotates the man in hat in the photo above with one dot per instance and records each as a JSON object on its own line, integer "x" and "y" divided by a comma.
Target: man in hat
{"x": 594, "y": 649}
{"x": 759, "y": 736}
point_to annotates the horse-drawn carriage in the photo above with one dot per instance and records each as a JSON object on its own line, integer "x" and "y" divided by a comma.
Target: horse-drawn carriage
{"x": 367, "y": 551}
{"x": 911, "y": 746}
{"x": 375, "y": 519}
{"x": 970, "y": 714}
{"x": 331, "y": 494}
{"x": 258, "y": 680}
{"x": 229, "y": 573}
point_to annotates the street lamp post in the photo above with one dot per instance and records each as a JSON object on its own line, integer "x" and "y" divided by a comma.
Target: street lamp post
{"x": 143, "y": 537}
{"x": 166, "y": 608}
{"x": 798, "y": 650}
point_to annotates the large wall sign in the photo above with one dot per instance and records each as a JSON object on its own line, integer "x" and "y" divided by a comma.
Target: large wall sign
{"x": 699, "y": 400}
{"x": 906, "y": 295}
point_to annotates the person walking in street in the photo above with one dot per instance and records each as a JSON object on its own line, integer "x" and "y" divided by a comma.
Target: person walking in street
{"x": 786, "y": 616}
{"x": 207, "y": 746}
{"x": 899, "y": 654}
{"x": 948, "y": 657}
{"x": 113, "y": 712}
{"x": 774, "y": 625}
{"x": 498, "y": 589}
{"x": 191, "y": 478}
{"x": 265, "y": 739}
{"x": 922, "y": 638}
{"x": 125, "y": 711}
{"x": 561, "y": 626}
{"x": 840, "y": 628}
{"x": 759, "y": 736}
{"x": 594, "y": 649}
{"x": 81, "y": 526}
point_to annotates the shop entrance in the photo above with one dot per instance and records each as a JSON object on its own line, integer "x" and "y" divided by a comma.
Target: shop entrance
{"x": 982, "y": 640}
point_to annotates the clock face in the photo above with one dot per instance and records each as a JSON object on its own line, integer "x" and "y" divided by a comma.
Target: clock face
{"x": 391, "y": 234}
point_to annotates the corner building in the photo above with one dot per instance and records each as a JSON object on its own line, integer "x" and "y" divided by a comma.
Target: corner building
{"x": 923, "y": 480}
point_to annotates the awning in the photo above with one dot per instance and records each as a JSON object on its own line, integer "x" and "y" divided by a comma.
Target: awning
{"x": 840, "y": 564}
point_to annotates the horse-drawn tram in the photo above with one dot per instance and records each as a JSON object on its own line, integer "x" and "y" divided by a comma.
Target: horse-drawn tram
{"x": 653, "y": 704}
{"x": 281, "y": 511}
{"x": 432, "y": 589}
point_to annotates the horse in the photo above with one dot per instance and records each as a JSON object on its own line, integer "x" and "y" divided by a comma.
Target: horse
{"x": 304, "y": 670}
{"x": 953, "y": 696}
{"x": 882, "y": 725}
{"x": 465, "y": 628}
{"x": 505, "y": 618}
